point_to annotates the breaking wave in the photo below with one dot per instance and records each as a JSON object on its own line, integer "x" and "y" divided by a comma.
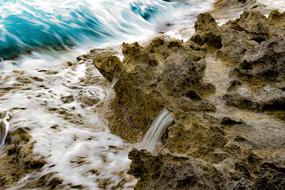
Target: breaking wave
{"x": 28, "y": 25}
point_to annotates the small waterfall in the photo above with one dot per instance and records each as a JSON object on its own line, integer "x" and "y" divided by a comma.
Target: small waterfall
{"x": 4, "y": 128}
{"x": 156, "y": 130}
{"x": 108, "y": 97}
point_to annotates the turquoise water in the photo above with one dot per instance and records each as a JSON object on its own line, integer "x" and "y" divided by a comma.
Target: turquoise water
{"x": 28, "y": 25}
{"x": 37, "y": 38}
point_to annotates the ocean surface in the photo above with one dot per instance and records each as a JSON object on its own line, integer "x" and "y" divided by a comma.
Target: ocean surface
{"x": 50, "y": 98}
{"x": 36, "y": 25}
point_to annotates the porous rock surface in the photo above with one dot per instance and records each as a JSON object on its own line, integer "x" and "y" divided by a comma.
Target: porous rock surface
{"x": 18, "y": 161}
{"x": 225, "y": 87}
{"x": 151, "y": 77}
{"x": 17, "y": 158}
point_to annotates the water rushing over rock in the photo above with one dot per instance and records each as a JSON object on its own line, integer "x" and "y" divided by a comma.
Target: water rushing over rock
{"x": 223, "y": 90}
{"x": 4, "y": 128}
{"x": 58, "y": 108}
{"x": 56, "y": 131}
{"x": 108, "y": 96}
{"x": 155, "y": 131}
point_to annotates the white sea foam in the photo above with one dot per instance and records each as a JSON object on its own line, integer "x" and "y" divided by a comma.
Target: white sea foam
{"x": 274, "y": 4}
{"x": 71, "y": 136}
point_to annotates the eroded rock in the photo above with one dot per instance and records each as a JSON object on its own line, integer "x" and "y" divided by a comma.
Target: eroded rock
{"x": 17, "y": 158}
{"x": 150, "y": 78}
{"x": 224, "y": 136}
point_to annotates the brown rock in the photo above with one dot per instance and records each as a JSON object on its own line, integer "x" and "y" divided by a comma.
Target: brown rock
{"x": 18, "y": 159}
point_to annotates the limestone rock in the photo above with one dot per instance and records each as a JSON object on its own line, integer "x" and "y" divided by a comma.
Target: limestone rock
{"x": 166, "y": 73}
{"x": 228, "y": 132}
{"x": 207, "y": 31}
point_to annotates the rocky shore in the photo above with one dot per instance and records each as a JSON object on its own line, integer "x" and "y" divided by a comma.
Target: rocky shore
{"x": 225, "y": 88}
{"x": 18, "y": 160}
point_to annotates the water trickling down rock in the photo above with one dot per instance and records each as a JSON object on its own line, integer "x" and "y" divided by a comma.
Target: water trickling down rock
{"x": 4, "y": 128}
{"x": 155, "y": 131}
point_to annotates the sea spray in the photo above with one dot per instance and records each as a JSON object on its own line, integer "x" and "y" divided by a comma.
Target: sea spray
{"x": 156, "y": 130}
{"x": 28, "y": 26}
{"x": 108, "y": 96}
{"x": 4, "y": 128}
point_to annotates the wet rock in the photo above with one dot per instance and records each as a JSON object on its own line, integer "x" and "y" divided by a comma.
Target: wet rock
{"x": 274, "y": 105}
{"x": 241, "y": 102}
{"x": 205, "y": 22}
{"x": 89, "y": 98}
{"x": 254, "y": 24}
{"x": 230, "y": 121}
{"x": 266, "y": 62}
{"x": 270, "y": 177}
{"x": 207, "y": 31}
{"x": 234, "y": 84}
{"x": 255, "y": 43}
{"x": 47, "y": 181}
{"x": 172, "y": 172}
{"x": 255, "y": 46}
{"x": 222, "y": 134}
{"x": 149, "y": 78}
{"x": 67, "y": 99}
{"x": 17, "y": 158}
{"x": 198, "y": 137}
{"x": 270, "y": 102}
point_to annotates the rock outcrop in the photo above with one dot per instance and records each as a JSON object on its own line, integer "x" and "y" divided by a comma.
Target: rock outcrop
{"x": 150, "y": 78}
{"x": 225, "y": 88}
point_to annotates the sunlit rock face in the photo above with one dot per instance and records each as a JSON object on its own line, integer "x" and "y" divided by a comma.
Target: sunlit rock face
{"x": 225, "y": 89}
{"x": 165, "y": 73}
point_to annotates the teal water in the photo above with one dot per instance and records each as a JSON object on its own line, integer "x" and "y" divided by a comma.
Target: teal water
{"x": 28, "y": 25}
